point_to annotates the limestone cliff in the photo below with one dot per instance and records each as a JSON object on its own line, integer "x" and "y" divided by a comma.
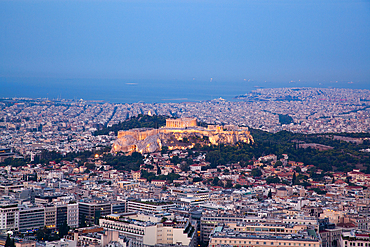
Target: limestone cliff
{"x": 150, "y": 140}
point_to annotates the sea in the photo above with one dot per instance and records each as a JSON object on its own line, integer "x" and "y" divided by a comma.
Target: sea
{"x": 146, "y": 91}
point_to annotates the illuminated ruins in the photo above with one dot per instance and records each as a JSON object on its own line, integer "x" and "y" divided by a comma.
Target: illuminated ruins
{"x": 179, "y": 133}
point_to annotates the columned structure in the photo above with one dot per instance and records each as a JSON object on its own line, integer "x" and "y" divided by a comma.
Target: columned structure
{"x": 181, "y": 123}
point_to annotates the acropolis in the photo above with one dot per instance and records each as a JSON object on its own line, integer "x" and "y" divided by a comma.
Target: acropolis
{"x": 181, "y": 133}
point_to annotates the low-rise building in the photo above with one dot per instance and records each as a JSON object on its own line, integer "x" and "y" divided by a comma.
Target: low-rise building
{"x": 149, "y": 206}
{"x": 222, "y": 236}
{"x": 150, "y": 230}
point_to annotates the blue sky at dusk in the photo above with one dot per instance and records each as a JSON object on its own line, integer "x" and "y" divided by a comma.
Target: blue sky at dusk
{"x": 260, "y": 40}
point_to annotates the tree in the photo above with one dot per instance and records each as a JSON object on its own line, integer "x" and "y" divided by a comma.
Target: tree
{"x": 229, "y": 184}
{"x": 237, "y": 186}
{"x": 8, "y": 242}
{"x": 164, "y": 150}
{"x": 269, "y": 195}
{"x": 272, "y": 180}
{"x": 256, "y": 172}
{"x": 294, "y": 179}
{"x": 63, "y": 229}
{"x": 215, "y": 181}
{"x": 278, "y": 163}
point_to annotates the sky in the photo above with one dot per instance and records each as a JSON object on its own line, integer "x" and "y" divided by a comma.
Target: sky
{"x": 255, "y": 40}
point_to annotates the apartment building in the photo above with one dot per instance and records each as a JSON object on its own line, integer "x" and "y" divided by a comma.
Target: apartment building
{"x": 31, "y": 217}
{"x": 149, "y": 230}
{"x": 50, "y": 216}
{"x": 222, "y": 236}
{"x": 149, "y": 206}
{"x": 90, "y": 212}
{"x": 72, "y": 215}
{"x": 352, "y": 239}
{"x": 9, "y": 217}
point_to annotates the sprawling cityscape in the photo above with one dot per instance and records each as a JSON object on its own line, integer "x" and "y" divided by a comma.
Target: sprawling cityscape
{"x": 274, "y": 167}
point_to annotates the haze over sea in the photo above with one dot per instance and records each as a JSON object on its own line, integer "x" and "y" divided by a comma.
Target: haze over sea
{"x": 148, "y": 91}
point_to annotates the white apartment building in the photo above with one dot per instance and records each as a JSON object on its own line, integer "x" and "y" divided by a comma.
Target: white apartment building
{"x": 72, "y": 215}
{"x": 9, "y": 217}
{"x": 149, "y": 233}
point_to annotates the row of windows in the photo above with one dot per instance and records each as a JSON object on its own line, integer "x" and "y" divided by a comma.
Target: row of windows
{"x": 258, "y": 243}
{"x": 126, "y": 229}
{"x": 358, "y": 244}
{"x": 225, "y": 219}
{"x": 264, "y": 229}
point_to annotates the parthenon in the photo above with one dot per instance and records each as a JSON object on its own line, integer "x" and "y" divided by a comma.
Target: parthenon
{"x": 181, "y": 123}
{"x": 146, "y": 140}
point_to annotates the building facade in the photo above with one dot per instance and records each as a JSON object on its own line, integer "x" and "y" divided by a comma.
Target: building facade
{"x": 31, "y": 218}
{"x": 9, "y": 217}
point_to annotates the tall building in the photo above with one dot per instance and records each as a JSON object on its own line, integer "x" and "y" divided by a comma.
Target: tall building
{"x": 62, "y": 216}
{"x": 118, "y": 207}
{"x": 50, "y": 216}
{"x": 72, "y": 215}
{"x": 89, "y": 212}
{"x": 9, "y": 217}
{"x": 31, "y": 218}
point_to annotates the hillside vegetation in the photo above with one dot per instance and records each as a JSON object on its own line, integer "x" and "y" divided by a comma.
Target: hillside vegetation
{"x": 141, "y": 121}
{"x": 344, "y": 156}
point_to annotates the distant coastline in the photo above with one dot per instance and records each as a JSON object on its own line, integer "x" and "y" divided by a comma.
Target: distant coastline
{"x": 146, "y": 91}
